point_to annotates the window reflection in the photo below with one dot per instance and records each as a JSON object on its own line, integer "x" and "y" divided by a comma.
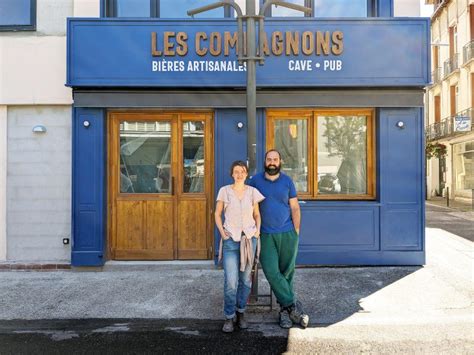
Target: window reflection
{"x": 342, "y": 154}
{"x": 145, "y": 157}
{"x": 280, "y": 11}
{"x": 291, "y": 141}
{"x": 193, "y": 156}
{"x": 178, "y": 8}
{"x": 133, "y": 8}
{"x": 340, "y": 8}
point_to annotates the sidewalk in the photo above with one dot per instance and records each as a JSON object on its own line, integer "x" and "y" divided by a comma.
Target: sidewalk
{"x": 426, "y": 308}
{"x": 453, "y": 204}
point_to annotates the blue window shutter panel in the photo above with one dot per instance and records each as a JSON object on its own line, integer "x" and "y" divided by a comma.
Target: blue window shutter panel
{"x": 402, "y": 221}
{"x": 88, "y": 187}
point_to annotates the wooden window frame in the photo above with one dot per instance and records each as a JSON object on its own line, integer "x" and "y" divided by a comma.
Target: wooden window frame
{"x": 311, "y": 115}
{"x": 273, "y": 115}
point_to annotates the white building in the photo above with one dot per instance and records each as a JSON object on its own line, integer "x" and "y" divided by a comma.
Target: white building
{"x": 450, "y": 99}
{"x": 35, "y": 167}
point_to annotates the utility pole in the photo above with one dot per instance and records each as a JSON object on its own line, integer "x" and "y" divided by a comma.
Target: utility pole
{"x": 250, "y": 57}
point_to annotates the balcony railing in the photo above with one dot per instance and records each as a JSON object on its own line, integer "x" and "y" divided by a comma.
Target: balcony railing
{"x": 468, "y": 51}
{"x": 436, "y": 75}
{"x": 451, "y": 64}
{"x": 447, "y": 127}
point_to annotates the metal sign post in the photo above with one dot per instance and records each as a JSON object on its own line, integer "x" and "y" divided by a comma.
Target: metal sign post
{"x": 250, "y": 56}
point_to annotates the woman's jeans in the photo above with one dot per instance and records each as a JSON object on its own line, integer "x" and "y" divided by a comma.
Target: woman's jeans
{"x": 237, "y": 284}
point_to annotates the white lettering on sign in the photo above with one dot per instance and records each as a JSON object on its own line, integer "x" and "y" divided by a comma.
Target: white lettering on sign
{"x": 332, "y": 65}
{"x": 197, "y": 66}
{"x": 300, "y": 65}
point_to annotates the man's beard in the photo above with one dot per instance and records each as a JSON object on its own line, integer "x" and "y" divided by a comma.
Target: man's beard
{"x": 272, "y": 169}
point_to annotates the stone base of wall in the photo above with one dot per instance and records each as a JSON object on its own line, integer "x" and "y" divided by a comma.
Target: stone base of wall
{"x": 33, "y": 267}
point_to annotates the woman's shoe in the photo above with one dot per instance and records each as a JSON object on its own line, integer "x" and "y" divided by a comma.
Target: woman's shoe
{"x": 228, "y": 326}
{"x": 241, "y": 322}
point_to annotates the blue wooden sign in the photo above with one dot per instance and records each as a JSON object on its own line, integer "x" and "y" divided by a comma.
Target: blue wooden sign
{"x": 202, "y": 53}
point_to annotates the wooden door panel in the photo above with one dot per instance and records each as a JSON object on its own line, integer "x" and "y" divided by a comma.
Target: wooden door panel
{"x": 159, "y": 226}
{"x": 192, "y": 227}
{"x": 129, "y": 225}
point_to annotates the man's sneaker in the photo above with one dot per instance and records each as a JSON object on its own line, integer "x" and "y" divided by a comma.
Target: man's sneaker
{"x": 228, "y": 326}
{"x": 298, "y": 316}
{"x": 241, "y": 322}
{"x": 285, "y": 321}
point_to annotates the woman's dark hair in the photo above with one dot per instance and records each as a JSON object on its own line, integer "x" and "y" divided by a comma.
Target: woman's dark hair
{"x": 238, "y": 163}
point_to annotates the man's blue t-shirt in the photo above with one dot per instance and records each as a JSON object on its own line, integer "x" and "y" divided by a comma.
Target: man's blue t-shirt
{"x": 275, "y": 209}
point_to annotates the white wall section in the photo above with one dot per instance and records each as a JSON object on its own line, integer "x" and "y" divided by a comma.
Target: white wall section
{"x": 3, "y": 183}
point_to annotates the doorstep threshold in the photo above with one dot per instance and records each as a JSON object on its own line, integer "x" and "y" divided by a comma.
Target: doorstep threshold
{"x": 136, "y": 265}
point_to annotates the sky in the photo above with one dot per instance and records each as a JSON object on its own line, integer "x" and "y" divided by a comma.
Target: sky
{"x": 425, "y": 10}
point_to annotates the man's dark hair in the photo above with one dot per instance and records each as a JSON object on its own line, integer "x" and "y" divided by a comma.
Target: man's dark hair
{"x": 238, "y": 163}
{"x": 272, "y": 150}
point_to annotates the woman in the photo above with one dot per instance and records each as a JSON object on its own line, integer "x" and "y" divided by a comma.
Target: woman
{"x": 239, "y": 236}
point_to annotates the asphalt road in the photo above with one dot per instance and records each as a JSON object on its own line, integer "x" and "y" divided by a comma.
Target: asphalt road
{"x": 456, "y": 222}
{"x": 119, "y": 336}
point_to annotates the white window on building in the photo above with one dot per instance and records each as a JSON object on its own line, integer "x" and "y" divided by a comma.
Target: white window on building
{"x": 463, "y": 166}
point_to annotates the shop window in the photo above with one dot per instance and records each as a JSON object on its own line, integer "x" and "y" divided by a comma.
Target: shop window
{"x": 463, "y": 163}
{"x": 324, "y": 8}
{"x": 279, "y": 11}
{"x": 161, "y": 8}
{"x": 178, "y": 9}
{"x": 17, "y": 15}
{"x": 341, "y": 8}
{"x": 329, "y": 154}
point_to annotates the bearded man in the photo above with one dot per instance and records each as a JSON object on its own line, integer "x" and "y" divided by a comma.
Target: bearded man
{"x": 279, "y": 236}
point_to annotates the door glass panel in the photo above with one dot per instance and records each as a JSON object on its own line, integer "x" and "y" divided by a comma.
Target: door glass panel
{"x": 193, "y": 156}
{"x": 145, "y": 157}
{"x": 291, "y": 140}
{"x": 342, "y": 155}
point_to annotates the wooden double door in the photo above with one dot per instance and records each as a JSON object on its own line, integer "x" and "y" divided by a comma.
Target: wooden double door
{"x": 160, "y": 185}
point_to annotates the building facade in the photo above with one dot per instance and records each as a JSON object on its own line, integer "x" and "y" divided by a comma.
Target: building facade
{"x": 125, "y": 160}
{"x": 450, "y": 99}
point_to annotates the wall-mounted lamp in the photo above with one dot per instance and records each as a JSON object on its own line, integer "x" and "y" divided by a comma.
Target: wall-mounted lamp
{"x": 39, "y": 129}
{"x": 86, "y": 124}
{"x": 240, "y": 125}
{"x": 401, "y": 124}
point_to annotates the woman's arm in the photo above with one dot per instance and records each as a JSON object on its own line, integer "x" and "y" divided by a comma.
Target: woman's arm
{"x": 257, "y": 218}
{"x": 218, "y": 218}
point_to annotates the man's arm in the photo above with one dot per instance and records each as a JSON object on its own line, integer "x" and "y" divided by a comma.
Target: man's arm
{"x": 295, "y": 213}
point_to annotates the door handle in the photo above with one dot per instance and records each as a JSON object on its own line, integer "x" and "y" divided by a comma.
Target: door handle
{"x": 172, "y": 185}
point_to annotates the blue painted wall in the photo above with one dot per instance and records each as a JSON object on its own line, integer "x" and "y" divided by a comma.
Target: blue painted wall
{"x": 88, "y": 188}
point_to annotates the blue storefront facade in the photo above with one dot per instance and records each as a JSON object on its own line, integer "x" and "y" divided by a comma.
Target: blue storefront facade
{"x": 341, "y": 97}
